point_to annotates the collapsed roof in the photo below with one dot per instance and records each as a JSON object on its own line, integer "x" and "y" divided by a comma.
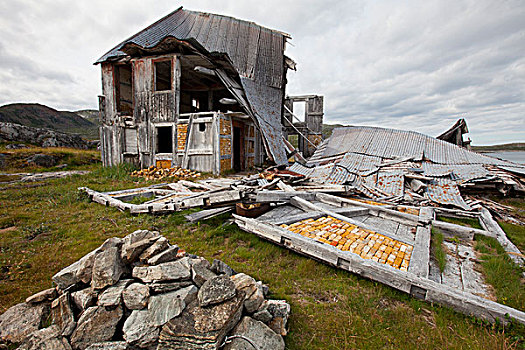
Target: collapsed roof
{"x": 399, "y": 165}
{"x": 255, "y": 53}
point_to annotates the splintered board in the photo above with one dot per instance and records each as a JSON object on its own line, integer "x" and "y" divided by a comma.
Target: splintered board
{"x": 347, "y": 237}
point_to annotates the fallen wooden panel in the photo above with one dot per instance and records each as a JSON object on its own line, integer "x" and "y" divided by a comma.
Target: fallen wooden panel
{"x": 207, "y": 214}
{"x": 405, "y": 281}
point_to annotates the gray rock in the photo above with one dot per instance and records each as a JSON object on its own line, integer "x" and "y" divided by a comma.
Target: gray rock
{"x": 112, "y": 296}
{"x": 96, "y": 324}
{"x": 107, "y": 268}
{"x": 169, "y": 254}
{"x": 280, "y": 311}
{"x": 15, "y": 146}
{"x": 137, "y": 236}
{"x": 84, "y": 298}
{"x": 157, "y": 247}
{"x": 253, "y": 292}
{"x": 45, "y": 295}
{"x": 170, "y": 271}
{"x": 201, "y": 273}
{"x": 201, "y": 328}
{"x": 81, "y": 270}
{"x": 130, "y": 253}
{"x": 62, "y": 315}
{"x": 136, "y": 296}
{"x": 21, "y": 320}
{"x": 45, "y": 339}
{"x": 139, "y": 329}
{"x": 216, "y": 290}
{"x": 40, "y": 136}
{"x": 76, "y": 272}
{"x": 109, "y": 345}
{"x": 42, "y": 160}
{"x": 260, "y": 334}
{"x": 164, "y": 307}
{"x": 262, "y": 314}
{"x": 164, "y": 287}
{"x": 222, "y": 268}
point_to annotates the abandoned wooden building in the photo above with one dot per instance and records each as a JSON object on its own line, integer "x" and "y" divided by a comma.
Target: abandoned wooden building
{"x": 201, "y": 91}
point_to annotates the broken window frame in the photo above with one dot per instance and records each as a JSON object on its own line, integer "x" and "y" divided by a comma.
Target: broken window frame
{"x": 117, "y": 84}
{"x": 159, "y": 61}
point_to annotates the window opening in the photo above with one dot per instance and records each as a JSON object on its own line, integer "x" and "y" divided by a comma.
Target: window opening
{"x": 164, "y": 139}
{"x": 202, "y": 127}
{"x": 195, "y": 104}
{"x": 163, "y": 76}
{"x": 124, "y": 89}
{"x": 299, "y": 109}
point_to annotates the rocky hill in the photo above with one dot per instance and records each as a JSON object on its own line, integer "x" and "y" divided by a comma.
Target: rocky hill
{"x": 40, "y": 116}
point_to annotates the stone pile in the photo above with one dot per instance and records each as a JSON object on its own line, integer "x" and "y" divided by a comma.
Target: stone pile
{"x": 141, "y": 292}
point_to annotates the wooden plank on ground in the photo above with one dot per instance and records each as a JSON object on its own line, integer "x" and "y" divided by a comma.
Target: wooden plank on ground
{"x": 492, "y": 226}
{"x": 208, "y": 213}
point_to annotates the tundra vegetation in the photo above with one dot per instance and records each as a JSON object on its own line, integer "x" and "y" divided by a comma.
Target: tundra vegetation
{"x": 45, "y": 226}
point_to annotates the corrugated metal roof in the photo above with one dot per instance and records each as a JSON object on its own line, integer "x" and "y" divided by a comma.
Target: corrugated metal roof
{"x": 391, "y": 183}
{"x": 459, "y": 172}
{"x": 390, "y": 143}
{"x": 256, "y": 52}
{"x": 445, "y": 191}
{"x": 375, "y": 161}
{"x": 514, "y": 169}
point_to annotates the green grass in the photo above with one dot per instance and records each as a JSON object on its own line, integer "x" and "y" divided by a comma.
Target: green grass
{"x": 501, "y": 272}
{"x": 516, "y": 233}
{"x": 474, "y": 223}
{"x": 438, "y": 251}
{"x": 15, "y": 160}
{"x": 45, "y": 228}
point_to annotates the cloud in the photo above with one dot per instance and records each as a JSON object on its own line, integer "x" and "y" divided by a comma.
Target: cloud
{"x": 415, "y": 65}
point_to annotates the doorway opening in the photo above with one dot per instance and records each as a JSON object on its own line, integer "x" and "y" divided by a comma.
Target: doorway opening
{"x": 164, "y": 139}
{"x": 237, "y": 164}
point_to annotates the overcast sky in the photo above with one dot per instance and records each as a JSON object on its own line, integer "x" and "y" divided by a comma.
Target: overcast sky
{"x": 416, "y": 65}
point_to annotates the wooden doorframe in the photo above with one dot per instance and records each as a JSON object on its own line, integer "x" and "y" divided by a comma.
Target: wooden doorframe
{"x": 239, "y": 125}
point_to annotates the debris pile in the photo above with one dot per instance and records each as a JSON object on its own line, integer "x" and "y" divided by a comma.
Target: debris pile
{"x": 408, "y": 167}
{"x": 154, "y": 173}
{"x": 140, "y": 292}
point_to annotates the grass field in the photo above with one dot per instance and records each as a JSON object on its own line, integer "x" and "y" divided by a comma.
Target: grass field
{"x": 47, "y": 226}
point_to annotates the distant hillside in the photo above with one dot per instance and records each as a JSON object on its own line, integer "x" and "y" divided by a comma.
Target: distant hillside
{"x": 328, "y": 128}
{"x": 504, "y": 147}
{"x": 89, "y": 114}
{"x": 40, "y": 116}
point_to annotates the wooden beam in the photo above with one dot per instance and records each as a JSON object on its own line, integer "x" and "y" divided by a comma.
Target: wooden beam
{"x": 492, "y": 226}
{"x": 459, "y": 230}
{"x": 208, "y": 213}
{"x": 282, "y": 196}
{"x": 387, "y": 213}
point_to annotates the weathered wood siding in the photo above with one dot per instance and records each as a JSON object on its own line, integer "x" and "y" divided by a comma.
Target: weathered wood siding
{"x": 201, "y": 142}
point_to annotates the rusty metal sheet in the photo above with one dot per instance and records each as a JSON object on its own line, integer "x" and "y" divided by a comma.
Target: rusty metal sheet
{"x": 458, "y": 172}
{"x": 391, "y": 183}
{"x": 445, "y": 191}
